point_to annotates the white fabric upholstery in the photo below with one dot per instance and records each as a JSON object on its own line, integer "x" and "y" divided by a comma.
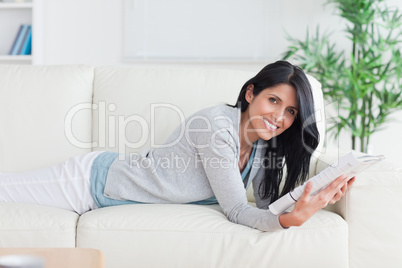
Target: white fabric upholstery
{"x": 35, "y": 102}
{"x": 372, "y": 208}
{"x": 201, "y": 236}
{"x": 27, "y": 226}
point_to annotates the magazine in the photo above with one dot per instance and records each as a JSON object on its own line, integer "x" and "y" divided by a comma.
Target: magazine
{"x": 349, "y": 165}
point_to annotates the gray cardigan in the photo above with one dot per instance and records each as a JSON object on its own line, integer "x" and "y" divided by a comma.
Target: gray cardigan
{"x": 199, "y": 160}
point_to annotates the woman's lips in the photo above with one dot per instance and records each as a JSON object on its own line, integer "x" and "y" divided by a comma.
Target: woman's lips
{"x": 269, "y": 124}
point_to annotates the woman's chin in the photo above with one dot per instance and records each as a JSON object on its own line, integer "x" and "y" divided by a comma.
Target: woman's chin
{"x": 268, "y": 135}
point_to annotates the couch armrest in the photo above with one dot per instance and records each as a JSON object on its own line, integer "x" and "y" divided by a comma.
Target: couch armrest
{"x": 372, "y": 208}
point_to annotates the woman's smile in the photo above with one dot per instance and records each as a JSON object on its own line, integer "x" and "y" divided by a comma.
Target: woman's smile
{"x": 269, "y": 125}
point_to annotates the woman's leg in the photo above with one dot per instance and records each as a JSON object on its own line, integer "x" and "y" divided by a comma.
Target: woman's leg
{"x": 65, "y": 185}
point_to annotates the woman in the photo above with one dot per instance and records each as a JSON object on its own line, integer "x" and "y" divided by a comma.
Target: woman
{"x": 212, "y": 157}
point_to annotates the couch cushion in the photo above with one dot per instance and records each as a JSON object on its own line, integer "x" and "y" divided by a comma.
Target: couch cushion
{"x": 201, "y": 236}
{"x": 24, "y": 225}
{"x": 37, "y": 102}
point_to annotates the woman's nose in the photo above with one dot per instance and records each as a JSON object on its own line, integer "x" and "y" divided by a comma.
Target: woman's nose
{"x": 279, "y": 115}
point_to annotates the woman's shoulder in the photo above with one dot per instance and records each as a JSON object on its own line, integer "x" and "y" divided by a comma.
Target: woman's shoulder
{"x": 216, "y": 111}
{"x": 219, "y": 122}
{"x": 214, "y": 118}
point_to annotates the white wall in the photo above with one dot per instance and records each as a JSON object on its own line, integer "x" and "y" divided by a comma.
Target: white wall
{"x": 82, "y": 31}
{"x": 91, "y": 32}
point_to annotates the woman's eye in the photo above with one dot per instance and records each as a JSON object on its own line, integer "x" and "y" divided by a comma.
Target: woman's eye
{"x": 273, "y": 100}
{"x": 291, "y": 111}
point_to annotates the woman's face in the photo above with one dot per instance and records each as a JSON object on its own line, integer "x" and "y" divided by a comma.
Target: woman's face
{"x": 271, "y": 112}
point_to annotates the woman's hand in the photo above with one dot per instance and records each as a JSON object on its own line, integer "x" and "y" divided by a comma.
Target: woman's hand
{"x": 341, "y": 193}
{"x": 308, "y": 205}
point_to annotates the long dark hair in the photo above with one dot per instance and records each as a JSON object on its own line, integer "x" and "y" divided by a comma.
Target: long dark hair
{"x": 293, "y": 148}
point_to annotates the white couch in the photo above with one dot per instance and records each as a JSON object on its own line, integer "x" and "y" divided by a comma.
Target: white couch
{"x": 47, "y": 116}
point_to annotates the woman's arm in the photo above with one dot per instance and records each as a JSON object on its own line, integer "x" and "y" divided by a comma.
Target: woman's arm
{"x": 308, "y": 205}
{"x": 219, "y": 161}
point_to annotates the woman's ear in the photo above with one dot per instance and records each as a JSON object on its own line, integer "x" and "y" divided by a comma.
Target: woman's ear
{"x": 249, "y": 93}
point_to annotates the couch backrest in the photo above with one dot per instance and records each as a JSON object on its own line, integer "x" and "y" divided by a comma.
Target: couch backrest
{"x": 126, "y": 98}
{"x": 35, "y": 102}
{"x": 47, "y": 112}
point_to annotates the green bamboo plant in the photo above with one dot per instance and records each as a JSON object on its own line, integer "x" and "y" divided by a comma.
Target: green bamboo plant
{"x": 365, "y": 82}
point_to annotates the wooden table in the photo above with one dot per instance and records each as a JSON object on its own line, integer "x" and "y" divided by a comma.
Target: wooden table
{"x": 62, "y": 257}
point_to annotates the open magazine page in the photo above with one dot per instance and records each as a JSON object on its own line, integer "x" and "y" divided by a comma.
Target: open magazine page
{"x": 349, "y": 165}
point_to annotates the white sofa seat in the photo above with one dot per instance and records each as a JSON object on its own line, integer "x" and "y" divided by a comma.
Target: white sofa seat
{"x": 34, "y": 226}
{"x": 201, "y": 236}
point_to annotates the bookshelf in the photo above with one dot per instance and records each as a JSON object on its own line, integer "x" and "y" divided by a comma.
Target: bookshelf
{"x": 12, "y": 16}
{"x": 13, "y": 5}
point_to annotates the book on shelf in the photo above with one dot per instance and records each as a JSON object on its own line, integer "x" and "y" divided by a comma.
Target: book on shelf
{"x": 349, "y": 165}
{"x": 26, "y": 44}
{"x": 23, "y": 40}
